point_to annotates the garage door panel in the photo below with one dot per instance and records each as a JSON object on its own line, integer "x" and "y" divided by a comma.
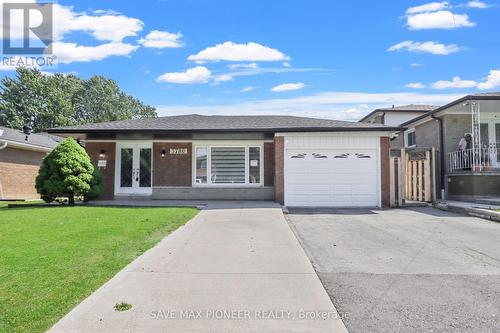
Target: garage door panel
{"x": 331, "y": 177}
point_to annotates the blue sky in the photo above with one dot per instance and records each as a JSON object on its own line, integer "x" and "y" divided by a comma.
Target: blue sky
{"x": 333, "y": 59}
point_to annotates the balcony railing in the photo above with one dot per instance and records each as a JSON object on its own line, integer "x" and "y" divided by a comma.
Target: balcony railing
{"x": 484, "y": 159}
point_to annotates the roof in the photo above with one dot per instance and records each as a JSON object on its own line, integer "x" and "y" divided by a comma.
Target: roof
{"x": 44, "y": 140}
{"x": 480, "y": 96}
{"x": 402, "y": 108}
{"x": 200, "y": 123}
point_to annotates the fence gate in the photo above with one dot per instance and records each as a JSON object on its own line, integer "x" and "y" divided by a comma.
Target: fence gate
{"x": 412, "y": 176}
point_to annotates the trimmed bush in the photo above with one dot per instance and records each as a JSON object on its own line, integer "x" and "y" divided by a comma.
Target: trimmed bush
{"x": 65, "y": 172}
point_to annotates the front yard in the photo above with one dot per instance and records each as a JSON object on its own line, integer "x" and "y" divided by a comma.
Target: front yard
{"x": 52, "y": 258}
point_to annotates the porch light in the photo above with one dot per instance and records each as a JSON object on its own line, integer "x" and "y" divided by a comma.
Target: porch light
{"x": 101, "y": 154}
{"x": 163, "y": 152}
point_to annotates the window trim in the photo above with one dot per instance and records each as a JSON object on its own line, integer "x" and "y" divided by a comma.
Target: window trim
{"x": 209, "y": 146}
{"x": 407, "y": 132}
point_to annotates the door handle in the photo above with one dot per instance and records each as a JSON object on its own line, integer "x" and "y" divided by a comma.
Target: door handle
{"x": 137, "y": 175}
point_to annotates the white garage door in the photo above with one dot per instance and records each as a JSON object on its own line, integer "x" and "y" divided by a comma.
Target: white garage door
{"x": 332, "y": 177}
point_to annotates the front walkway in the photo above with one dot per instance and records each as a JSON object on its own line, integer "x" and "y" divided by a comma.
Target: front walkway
{"x": 230, "y": 269}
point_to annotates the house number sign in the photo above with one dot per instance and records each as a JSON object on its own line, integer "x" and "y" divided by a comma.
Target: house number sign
{"x": 178, "y": 151}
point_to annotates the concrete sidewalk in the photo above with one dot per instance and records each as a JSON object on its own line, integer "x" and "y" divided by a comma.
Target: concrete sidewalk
{"x": 230, "y": 269}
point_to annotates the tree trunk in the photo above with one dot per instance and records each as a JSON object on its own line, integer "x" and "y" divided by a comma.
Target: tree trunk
{"x": 71, "y": 200}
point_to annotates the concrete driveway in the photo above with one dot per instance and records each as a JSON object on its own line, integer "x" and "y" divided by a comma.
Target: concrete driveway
{"x": 233, "y": 268}
{"x": 402, "y": 270}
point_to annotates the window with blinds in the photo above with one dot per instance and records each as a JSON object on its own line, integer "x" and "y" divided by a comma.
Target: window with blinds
{"x": 228, "y": 165}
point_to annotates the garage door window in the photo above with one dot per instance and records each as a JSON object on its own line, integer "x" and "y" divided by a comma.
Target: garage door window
{"x": 228, "y": 165}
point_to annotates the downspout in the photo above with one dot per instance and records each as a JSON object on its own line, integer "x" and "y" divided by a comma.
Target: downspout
{"x": 3, "y": 146}
{"x": 441, "y": 155}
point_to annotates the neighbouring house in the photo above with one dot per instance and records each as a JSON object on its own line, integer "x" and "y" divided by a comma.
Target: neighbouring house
{"x": 20, "y": 157}
{"x": 396, "y": 115}
{"x": 295, "y": 161}
{"x": 470, "y": 172}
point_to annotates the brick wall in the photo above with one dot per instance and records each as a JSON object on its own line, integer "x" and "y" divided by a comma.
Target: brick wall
{"x": 268, "y": 164}
{"x": 385, "y": 172}
{"x": 108, "y": 173}
{"x": 279, "y": 152}
{"x": 172, "y": 169}
{"x": 18, "y": 171}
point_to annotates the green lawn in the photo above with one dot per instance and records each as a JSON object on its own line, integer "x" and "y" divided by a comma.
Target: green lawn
{"x": 52, "y": 258}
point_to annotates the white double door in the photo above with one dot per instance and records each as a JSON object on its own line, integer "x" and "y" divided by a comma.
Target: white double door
{"x": 133, "y": 168}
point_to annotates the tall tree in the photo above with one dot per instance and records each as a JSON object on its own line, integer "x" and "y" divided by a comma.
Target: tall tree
{"x": 45, "y": 101}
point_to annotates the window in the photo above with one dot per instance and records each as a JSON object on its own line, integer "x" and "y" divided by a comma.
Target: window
{"x": 201, "y": 165}
{"x": 254, "y": 165}
{"x": 228, "y": 165}
{"x": 410, "y": 138}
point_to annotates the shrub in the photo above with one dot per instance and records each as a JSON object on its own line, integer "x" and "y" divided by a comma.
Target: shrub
{"x": 95, "y": 186}
{"x": 65, "y": 172}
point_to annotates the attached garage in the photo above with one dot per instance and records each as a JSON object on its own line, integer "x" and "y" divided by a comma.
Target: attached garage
{"x": 332, "y": 170}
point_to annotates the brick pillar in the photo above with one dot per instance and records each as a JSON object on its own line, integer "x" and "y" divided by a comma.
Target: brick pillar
{"x": 279, "y": 165}
{"x": 385, "y": 172}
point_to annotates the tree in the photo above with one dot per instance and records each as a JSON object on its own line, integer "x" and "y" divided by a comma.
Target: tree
{"x": 102, "y": 100}
{"x": 65, "y": 172}
{"x": 44, "y": 101}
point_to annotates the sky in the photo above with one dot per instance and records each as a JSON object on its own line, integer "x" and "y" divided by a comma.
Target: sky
{"x": 325, "y": 58}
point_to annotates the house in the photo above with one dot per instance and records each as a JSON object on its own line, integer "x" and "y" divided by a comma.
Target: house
{"x": 473, "y": 171}
{"x": 293, "y": 160}
{"x": 396, "y": 115}
{"x": 20, "y": 158}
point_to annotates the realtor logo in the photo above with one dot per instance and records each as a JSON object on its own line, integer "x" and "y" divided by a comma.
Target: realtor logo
{"x": 27, "y": 28}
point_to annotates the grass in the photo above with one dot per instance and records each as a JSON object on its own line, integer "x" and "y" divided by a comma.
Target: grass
{"x": 4, "y": 204}
{"x": 53, "y": 258}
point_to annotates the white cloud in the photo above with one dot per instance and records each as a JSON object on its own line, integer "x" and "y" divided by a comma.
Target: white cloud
{"x": 252, "y": 65}
{"x": 415, "y": 85}
{"x": 288, "y": 87}
{"x": 247, "y": 89}
{"x": 230, "y": 51}
{"x": 332, "y": 105}
{"x": 108, "y": 27}
{"x": 198, "y": 74}
{"x": 442, "y": 19}
{"x": 416, "y": 64}
{"x": 428, "y": 7}
{"x": 477, "y": 4}
{"x": 71, "y": 52}
{"x": 426, "y": 47}
{"x": 223, "y": 78}
{"x": 162, "y": 39}
{"x": 287, "y": 64}
{"x": 492, "y": 81}
{"x": 456, "y": 83}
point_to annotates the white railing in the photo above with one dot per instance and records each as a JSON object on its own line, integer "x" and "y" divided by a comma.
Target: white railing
{"x": 484, "y": 159}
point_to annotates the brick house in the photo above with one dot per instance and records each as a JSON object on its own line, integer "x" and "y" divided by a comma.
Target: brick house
{"x": 293, "y": 160}
{"x": 20, "y": 158}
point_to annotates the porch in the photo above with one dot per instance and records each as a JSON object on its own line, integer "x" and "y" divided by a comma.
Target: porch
{"x": 474, "y": 160}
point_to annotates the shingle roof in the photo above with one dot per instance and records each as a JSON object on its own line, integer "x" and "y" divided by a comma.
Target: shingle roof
{"x": 40, "y": 140}
{"x": 410, "y": 107}
{"x": 403, "y": 108}
{"x": 195, "y": 122}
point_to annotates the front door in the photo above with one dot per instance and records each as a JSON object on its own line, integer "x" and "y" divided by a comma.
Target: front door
{"x": 133, "y": 168}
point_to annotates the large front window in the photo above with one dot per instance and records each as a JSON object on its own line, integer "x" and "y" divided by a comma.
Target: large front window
{"x": 228, "y": 165}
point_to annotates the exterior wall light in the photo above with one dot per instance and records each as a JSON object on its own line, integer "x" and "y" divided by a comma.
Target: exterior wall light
{"x": 163, "y": 152}
{"x": 101, "y": 154}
